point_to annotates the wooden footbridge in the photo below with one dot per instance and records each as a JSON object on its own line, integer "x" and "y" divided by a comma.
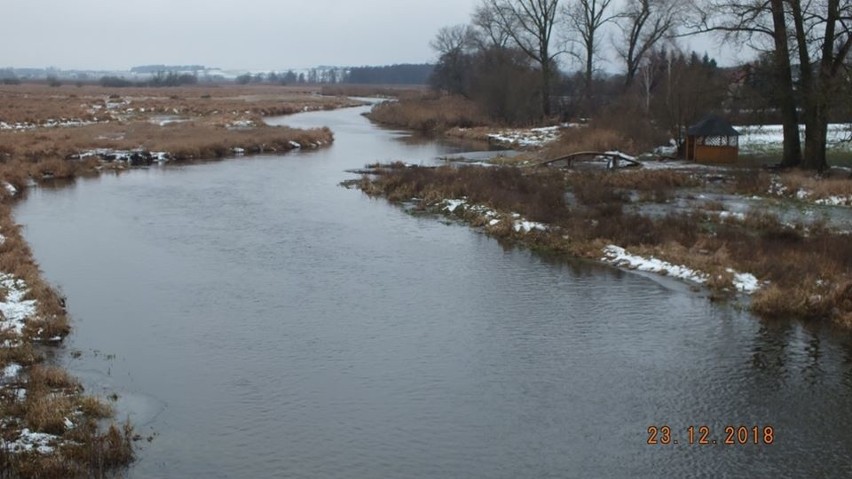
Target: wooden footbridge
{"x": 614, "y": 159}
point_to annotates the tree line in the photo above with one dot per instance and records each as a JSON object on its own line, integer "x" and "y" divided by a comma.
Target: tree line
{"x": 507, "y": 60}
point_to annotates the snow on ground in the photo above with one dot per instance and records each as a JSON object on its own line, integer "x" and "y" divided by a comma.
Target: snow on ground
{"x": 519, "y": 224}
{"x": 63, "y": 123}
{"x": 760, "y": 138}
{"x": 10, "y": 372}
{"x": 745, "y": 282}
{"x": 31, "y": 441}
{"x": 620, "y": 257}
{"x": 10, "y": 188}
{"x": 835, "y": 201}
{"x": 742, "y": 282}
{"x": 14, "y": 307}
{"x": 724, "y": 215}
{"x": 534, "y": 137}
{"x": 524, "y": 226}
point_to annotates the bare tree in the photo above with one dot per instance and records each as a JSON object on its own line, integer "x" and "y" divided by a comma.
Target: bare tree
{"x": 763, "y": 25}
{"x": 529, "y": 23}
{"x": 823, "y": 32}
{"x": 585, "y": 20}
{"x": 452, "y": 45}
{"x": 643, "y": 24}
{"x": 492, "y": 32}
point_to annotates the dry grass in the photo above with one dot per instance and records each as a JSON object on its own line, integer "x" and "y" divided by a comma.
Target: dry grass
{"x": 190, "y": 140}
{"x": 430, "y": 113}
{"x": 129, "y": 119}
{"x": 587, "y": 138}
{"x": 817, "y": 187}
{"x": 35, "y": 104}
{"x": 809, "y": 271}
{"x": 538, "y": 196}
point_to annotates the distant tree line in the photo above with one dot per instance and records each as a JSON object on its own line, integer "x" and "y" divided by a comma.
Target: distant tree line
{"x": 154, "y": 69}
{"x": 405, "y": 74}
{"x": 160, "y": 79}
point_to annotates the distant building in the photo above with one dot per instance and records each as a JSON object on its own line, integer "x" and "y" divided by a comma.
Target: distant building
{"x": 712, "y": 140}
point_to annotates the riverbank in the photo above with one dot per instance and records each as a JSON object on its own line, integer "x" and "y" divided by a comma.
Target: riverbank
{"x": 49, "y": 426}
{"x": 791, "y": 269}
{"x": 66, "y": 132}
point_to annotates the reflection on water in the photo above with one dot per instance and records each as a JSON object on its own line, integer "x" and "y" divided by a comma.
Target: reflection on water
{"x": 267, "y": 323}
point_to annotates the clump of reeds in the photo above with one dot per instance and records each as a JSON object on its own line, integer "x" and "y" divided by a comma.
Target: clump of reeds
{"x": 430, "y": 113}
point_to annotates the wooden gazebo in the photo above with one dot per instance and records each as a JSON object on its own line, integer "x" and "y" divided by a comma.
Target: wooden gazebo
{"x": 712, "y": 140}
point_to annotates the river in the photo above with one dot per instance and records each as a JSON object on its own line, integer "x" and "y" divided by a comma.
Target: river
{"x": 258, "y": 320}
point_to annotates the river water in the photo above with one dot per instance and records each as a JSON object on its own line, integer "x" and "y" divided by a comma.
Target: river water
{"x": 258, "y": 320}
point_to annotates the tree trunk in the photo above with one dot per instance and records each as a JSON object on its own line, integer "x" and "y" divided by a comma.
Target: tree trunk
{"x": 784, "y": 77}
{"x": 590, "y": 52}
{"x": 816, "y": 139}
{"x": 545, "y": 88}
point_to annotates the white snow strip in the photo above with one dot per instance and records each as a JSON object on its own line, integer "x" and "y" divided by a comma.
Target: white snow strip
{"x": 724, "y": 215}
{"x": 453, "y": 205}
{"x": 523, "y": 226}
{"x": 745, "y": 282}
{"x": 533, "y": 137}
{"x": 756, "y": 138}
{"x": 295, "y": 145}
{"x": 10, "y": 188}
{"x": 31, "y": 441}
{"x": 835, "y": 201}
{"x": 620, "y": 257}
{"x": 10, "y": 372}
{"x": 15, "y": 308}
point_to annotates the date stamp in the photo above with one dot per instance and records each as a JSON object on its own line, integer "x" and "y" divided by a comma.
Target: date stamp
{"x": 698, "y": 435}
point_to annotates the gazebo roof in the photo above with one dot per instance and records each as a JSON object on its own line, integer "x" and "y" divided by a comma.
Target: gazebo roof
{"x": 712, "y": 125}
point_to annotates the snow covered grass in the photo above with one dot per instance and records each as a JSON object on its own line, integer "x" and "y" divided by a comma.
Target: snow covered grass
{"x": 14, "y": 308}
{"x": 620, "y": 257}
{"x": 526, "y": 138}
{"x": 769, "y": 138}
{"x": 485, "y": 216}
{"x": 810, "y": 188}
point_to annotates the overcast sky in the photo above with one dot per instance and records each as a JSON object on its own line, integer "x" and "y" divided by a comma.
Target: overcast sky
{"x": 229, "y": 34}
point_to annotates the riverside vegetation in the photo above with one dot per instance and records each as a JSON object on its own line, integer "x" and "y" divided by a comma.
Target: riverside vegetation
{"x": 805, "y": 270}
{"x": 49, "y": 426}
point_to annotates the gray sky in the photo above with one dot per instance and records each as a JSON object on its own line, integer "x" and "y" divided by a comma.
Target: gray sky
{"x": 230, "y": 34}
{"x": 251, "y": 34}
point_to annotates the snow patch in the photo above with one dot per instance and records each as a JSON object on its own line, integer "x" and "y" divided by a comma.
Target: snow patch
{"x": 10, "y": 372}
{"x": 30, "y": 441}
{"x": 835, "y": 201}
{"x": 745, "y": 282}
{"x": 524, "y": 226}
{"x": 10, "y": 188}
{"x": 453, "y": 205}
{"x": 15, "y": 308}
{"x": 533, "y": 137}
{"x": 620, "y": 257}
